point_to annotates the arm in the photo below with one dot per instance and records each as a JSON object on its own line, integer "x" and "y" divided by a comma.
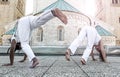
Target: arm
{"x": 103, "y": 52}
{"x": 25, "y": 56}
{"x": 8, "y": 50}
{"x": 11, "y": 56}
{"x": 92, "y": 54}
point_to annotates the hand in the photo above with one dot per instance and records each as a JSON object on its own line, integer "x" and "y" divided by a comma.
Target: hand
{"x": 94, "y": 59}
{"x": 8, "y": 64}
{"x": 22, "y": 60}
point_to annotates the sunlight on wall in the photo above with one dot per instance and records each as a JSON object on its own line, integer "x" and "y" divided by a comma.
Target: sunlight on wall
{"x": 29, "y": 7}
{"x": 90, "y": 7}
{"x": 85, "y": 6}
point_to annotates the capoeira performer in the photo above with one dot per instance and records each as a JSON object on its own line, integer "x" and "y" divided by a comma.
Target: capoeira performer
{"x": 27, "y": 24}
{"x": 93, "y": 40}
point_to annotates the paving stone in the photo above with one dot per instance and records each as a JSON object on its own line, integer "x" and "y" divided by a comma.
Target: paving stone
{"x": 65, "y": 72}
{"x": 27, "y": 72}
{"x": 57, "y": 66}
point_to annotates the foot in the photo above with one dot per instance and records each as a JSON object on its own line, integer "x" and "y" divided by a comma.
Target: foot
{"x": 67, "y": 55}
{"x": 35, "y": 63}
{"x": 83, "y": 61}
{"x": 60, "y": 15}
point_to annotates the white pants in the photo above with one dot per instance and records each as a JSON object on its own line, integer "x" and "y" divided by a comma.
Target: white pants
{"x": 25, "y": 27}
{"x": 92, "y": 38}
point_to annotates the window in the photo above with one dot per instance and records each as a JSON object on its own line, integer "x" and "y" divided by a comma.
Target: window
{"x": 60, "y": 33}
{"x": 4, "y": 2}
{"x": 115, "y": 1}
{"x": 79, "y": 30}
{"x": 40, "y": 35}
{"x": 119, "y": 19}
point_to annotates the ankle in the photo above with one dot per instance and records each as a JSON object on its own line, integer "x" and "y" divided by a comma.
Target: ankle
{"x": 34, "y": 59}
{"x": 53, "y": 12}
{"x": 68, "y": 51}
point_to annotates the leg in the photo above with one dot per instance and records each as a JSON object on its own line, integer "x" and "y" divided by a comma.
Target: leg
{"x": 72, "y": 48}
{"x": 91, "y": 36}
{"x": 28, "y": 51}
{"x": 11, "y": 56}
{"x": 75, "y": 44}
{"x": 56, "y": 12}
{"x": 86, "y": 54}
{"x": 47, "y": 15}
{"x": 24, "y": 32}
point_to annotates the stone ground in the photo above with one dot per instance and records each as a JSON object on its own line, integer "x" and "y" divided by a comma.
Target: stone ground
{"x": 57, "y": 66}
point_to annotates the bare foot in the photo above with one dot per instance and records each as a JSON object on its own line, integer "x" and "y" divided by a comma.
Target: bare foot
{"x": 35, "y": 63}
{"x": 60, "y": 15}
{"x": 83, "y": 61}
{"x": 67, "y": 55}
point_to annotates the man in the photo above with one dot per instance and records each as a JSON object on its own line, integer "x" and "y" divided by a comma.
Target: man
{"x": 25, "y": 27}
{"x": 93, "y": 40}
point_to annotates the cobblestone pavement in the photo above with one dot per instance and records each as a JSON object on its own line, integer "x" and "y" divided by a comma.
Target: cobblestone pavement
{"x": 57, "y": 66}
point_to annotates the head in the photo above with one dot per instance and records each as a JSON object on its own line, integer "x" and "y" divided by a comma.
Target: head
{"x": 18, "y": 46}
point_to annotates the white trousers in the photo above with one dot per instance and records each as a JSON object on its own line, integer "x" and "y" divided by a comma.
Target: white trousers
{"x": 25, "y": 27}
{"x": 91, "y": 34}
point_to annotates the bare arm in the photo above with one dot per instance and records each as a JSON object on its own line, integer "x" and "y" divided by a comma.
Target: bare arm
{"x": 11, "y": 56}
{"x": 92, "y": 54}
{"x": 103, "y": 52}
{"x": 25, "y": 56}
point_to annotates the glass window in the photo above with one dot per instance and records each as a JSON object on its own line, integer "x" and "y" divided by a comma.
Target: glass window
{"x": 115, "y": 1}
{"x": 79, "y": 30}
{"x": 4, "y": 2}
{"x": 60, "y": 33}
{"x": 40, "y": 35}
{"x": 119, "y": 19}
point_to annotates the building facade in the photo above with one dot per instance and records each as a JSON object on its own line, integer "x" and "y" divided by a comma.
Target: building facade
{"x": 108, "y": 11}
{"x": 10, "y": 10}
{"x": 55, "y": 33}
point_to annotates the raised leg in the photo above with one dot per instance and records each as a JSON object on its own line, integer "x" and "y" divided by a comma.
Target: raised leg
{"x": 57, "y": 13}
